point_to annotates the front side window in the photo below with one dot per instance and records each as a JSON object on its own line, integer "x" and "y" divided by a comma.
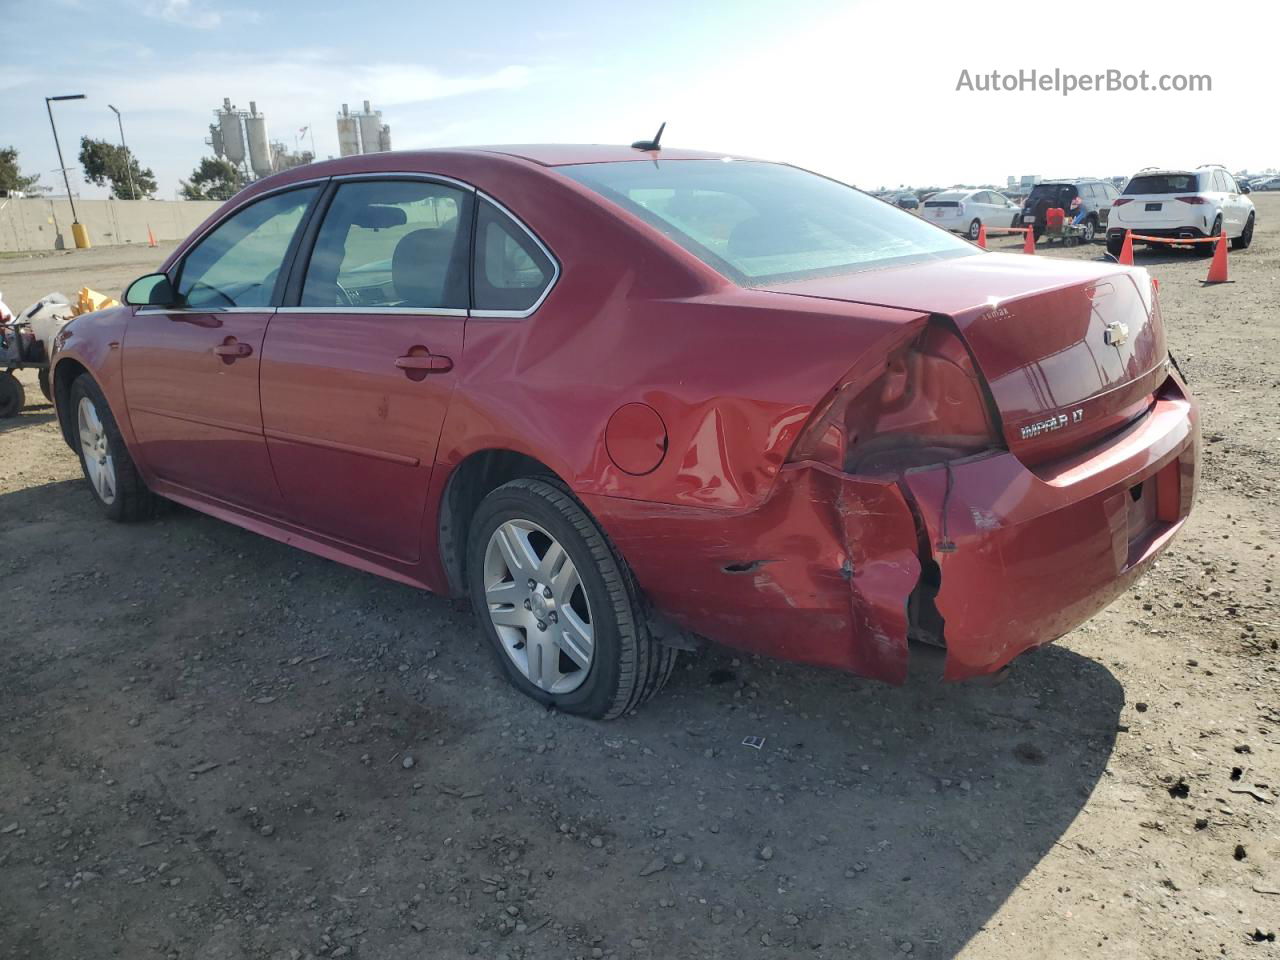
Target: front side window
{"x": 391, "y": 243}
{"x": 238, "y": 263}
{"x": 758, "y": 223}
{"x": 511, "y": 270}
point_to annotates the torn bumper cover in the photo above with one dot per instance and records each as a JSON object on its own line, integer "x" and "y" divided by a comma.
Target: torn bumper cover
{"x": 825, "y": 571}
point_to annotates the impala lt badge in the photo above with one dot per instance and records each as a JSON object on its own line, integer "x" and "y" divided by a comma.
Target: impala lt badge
{"x": 1052, "y": 423}
{"x": 1116, "y": 333}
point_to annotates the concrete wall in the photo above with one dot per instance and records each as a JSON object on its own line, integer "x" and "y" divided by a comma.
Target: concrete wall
{"x": 30, "y": 224}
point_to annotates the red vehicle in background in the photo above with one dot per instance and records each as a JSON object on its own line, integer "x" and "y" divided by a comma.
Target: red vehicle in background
{"x": 622, "y": 396}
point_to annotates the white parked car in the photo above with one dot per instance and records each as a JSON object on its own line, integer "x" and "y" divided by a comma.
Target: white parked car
{"x": 1266, "y": 183}
{"x": 1182, "y": 203}
{"x": 964, "y": 211}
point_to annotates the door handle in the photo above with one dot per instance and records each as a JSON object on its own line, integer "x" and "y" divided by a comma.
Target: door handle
{"x": 427, "y": 363}
{"x": 232, "y": 349}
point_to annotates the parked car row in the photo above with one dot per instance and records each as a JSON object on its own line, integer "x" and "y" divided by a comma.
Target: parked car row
{"x": 1262, "y": 183}
{"x": 1165, "y": 203}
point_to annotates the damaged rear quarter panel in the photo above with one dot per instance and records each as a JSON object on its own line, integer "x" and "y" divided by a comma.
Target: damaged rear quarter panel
{"x": 821, "y": 573}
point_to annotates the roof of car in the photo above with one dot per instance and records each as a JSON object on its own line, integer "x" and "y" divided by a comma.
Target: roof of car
{"x": 560, "y": 154}
{"x": 1165, "y": 172}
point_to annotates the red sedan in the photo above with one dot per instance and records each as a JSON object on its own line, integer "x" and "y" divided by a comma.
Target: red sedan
{"x": 622, "y": 398}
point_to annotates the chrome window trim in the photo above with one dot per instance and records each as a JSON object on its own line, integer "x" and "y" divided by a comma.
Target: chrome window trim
{"x": 546, "y": 290}
{"x": 405, "y": 175}
{"x": 152, "y": 309}
{"x": 405, "y": 311}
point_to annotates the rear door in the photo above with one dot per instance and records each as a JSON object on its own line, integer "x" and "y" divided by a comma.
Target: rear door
{"x": 358, "y": 371}
{"x": 191, "y": 371}
{"x": 1232, "y": 208}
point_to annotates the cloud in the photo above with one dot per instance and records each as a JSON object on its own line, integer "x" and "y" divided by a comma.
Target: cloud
{"x": 182, "y": 12}
{"x": 13, "y": 77}
{"x": 298, "y": 86}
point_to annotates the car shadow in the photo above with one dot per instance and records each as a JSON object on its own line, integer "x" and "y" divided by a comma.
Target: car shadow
{"x": 31, "y": 416}
{"x": 940, "y": 799}
{"x": 862, "y": 818}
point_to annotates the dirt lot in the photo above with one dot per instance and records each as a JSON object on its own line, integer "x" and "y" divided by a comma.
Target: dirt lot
{"x": 207, "y": 740}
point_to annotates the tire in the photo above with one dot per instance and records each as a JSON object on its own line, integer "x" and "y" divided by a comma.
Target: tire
{"x": 625, "y": 666}
{"x": 123, "y": 496}
{"x": 12, "y": 395}
{"x": 1038, "y": 232}
{"x": 1115, "y": 245}
{"x": 974, "y": 228}
{"x": 1090, "y": 230}
{"x": 1246, "y": 236}
{"x": 1207, "y": 249}
{"x": 43, "y": 378}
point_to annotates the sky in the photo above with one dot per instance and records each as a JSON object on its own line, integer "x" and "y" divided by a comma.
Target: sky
{"x": 862, "y": 91}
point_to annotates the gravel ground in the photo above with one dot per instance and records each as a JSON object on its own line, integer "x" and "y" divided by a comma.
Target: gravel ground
{"x": 214, "y": 746}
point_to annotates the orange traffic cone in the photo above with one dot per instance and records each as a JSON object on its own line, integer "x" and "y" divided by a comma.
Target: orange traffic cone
{"x": 1126, "y": 250}
{"x": 151, "y": 237}
{"x": 982, "y": 235}
{"x": 1029, "y": 245}
{"x": 1218, "y": 269}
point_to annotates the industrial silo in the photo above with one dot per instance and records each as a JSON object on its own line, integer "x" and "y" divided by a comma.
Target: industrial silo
{"x": 384, "y": 139}
{"x": 215, "y": 140}
{"x": 232, "y": 135}
{"x": 255, "y": 125}
{"x": 370, "y": 127}
{"x": 348, "y": 134}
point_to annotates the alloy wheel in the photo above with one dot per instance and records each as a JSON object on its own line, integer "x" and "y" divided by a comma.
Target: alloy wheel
{"x": 535, "y": 598}
{"x": 99, "y": 465}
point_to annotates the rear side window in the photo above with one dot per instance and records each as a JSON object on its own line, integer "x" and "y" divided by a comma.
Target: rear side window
{"x": 238, "y": 263}
{"x": 759, "y": 223}
{"x": 512, "y": 271}
{"x": 1160, "y": 183}
{"x": 391, "y": 243}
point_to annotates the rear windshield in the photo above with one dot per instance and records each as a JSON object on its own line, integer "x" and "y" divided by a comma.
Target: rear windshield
{"x": 760, "y": 223}
{"x": 1059, "y": 193}
{"x": 945, "y": 199}
{"x": 1162, "y": 183}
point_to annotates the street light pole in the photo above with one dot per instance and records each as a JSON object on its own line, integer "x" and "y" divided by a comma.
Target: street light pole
{"x": 133, "y": 191}
{"x": 78, "y": 232}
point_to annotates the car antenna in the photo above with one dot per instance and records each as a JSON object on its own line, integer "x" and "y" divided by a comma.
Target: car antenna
{"x": 654, "y": 144}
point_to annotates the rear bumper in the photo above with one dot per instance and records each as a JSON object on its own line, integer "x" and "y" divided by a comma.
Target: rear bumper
{"x": 1172, "y": 233}
{"x": 1031, "y": 553}
{"x": 831, "y": 569}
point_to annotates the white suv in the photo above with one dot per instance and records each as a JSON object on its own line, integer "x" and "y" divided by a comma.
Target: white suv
{"x": 1182, "y": 203}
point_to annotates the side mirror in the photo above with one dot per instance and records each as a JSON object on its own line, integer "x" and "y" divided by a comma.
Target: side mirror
{"x": 153, "y": 290}
{"x": 1244, "y": 188}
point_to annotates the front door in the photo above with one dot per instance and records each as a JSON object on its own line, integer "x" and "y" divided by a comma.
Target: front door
{"x": 191, "y": 370}
{"x": 356, "y": 377}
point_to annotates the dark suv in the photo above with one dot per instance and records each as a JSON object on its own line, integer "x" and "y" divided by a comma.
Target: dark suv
{"x": 1096, "y": 196}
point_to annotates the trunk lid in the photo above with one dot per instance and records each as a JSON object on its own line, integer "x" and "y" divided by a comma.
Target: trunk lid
{"x": 1071, "y": 351}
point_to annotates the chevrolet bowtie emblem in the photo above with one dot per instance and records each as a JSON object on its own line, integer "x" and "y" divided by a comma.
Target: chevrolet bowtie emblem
{"x": 1116, "y": 333}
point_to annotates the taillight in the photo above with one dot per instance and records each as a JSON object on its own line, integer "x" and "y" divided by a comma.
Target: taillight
{"x": 925, "y": 405}
{"x": 1121, "y": 201}
{"x": 1192, "y": 199}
